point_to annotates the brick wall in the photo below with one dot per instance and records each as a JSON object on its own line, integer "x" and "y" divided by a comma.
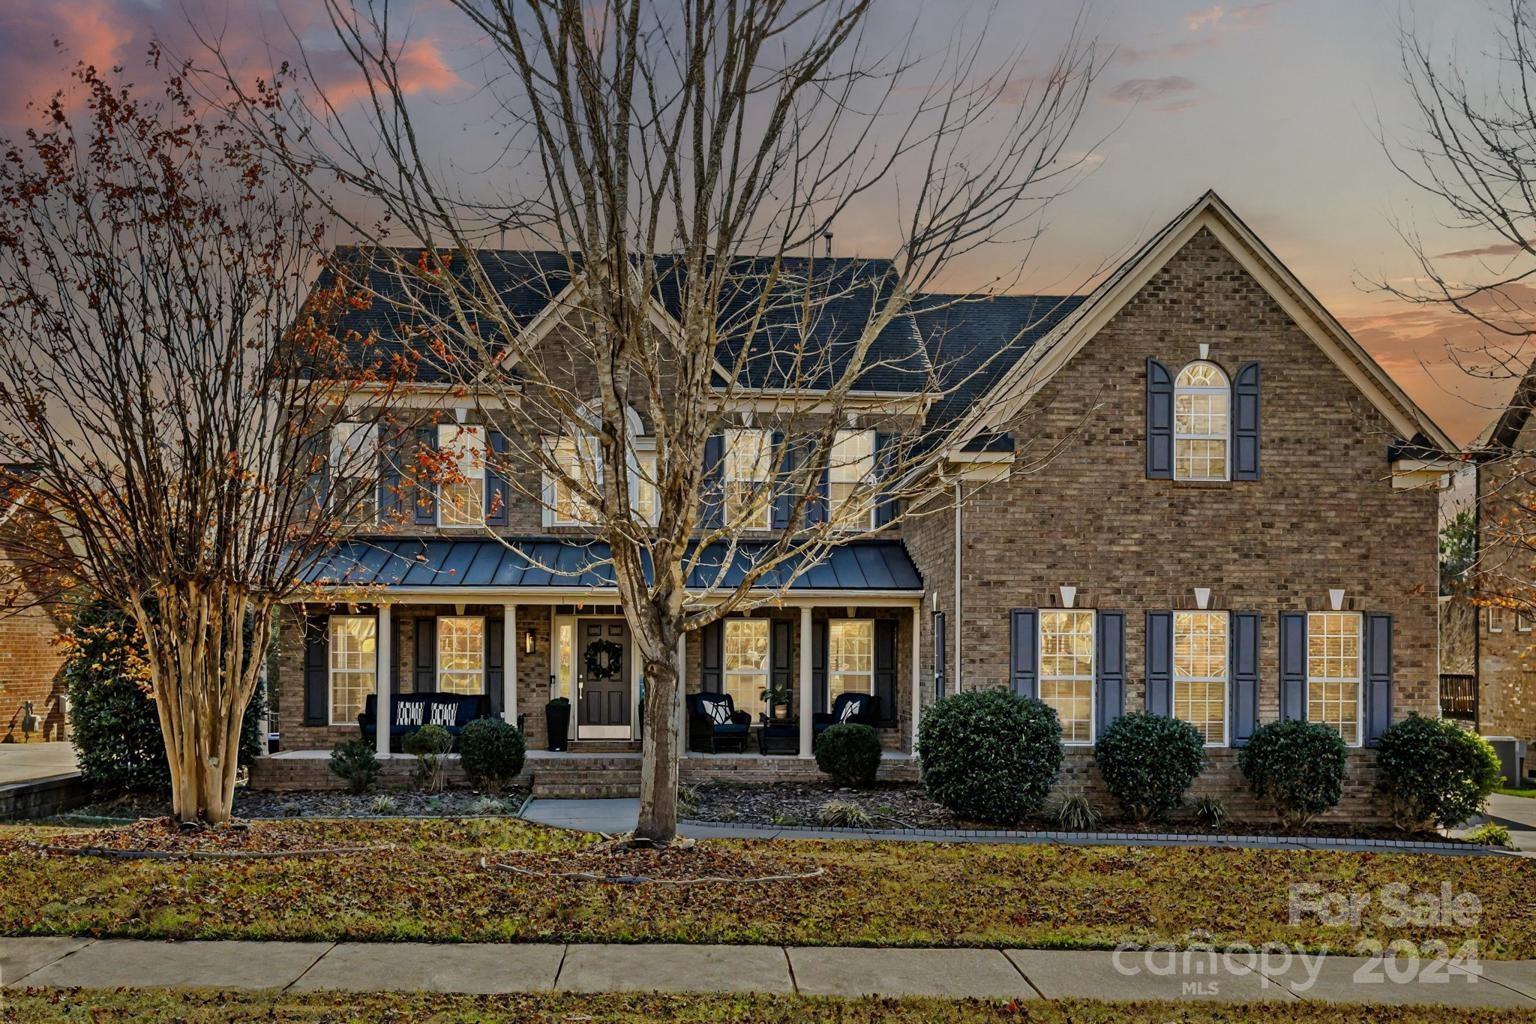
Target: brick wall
{"x": 1324, "y": 515}
{"x": 30, "y": 660}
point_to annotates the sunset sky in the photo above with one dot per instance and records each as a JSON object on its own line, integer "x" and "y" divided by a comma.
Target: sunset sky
{"x": 1275, "y": 105}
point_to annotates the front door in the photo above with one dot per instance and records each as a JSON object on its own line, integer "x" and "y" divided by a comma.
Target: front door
{"x": 602, "y": 678}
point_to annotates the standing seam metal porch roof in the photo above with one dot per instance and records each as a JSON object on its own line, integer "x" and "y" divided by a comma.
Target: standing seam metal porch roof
{"x": 534, "y": 562}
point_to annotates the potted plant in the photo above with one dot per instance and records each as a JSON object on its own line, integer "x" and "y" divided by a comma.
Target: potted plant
{"x": 557, "y": 721}
{"x": 776, "y": 696}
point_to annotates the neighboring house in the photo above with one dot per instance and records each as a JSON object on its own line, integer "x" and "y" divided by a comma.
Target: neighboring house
{"x": 33, "y": 705}
{"x": 1238, "y": 524}
{"x": 1505, "y": 575}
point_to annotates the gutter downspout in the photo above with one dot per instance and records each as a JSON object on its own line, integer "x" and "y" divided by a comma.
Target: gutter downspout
{"x": 958, "y": 606}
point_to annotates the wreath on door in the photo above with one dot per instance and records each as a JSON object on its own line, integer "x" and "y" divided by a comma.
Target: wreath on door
{"x": 603, "y": 659}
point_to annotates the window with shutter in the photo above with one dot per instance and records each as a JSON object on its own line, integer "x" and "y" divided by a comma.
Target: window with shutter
{"x": 1202, "y": 398}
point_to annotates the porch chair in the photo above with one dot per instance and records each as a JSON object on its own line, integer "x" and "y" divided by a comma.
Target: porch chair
{"x": 453, "y": 711}
{"x": 848, "y": 709}
{"x": 713, "y": 720}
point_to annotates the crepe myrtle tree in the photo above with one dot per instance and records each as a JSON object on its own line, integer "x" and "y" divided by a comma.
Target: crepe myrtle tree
{"x": 165, "y": 371}
{"x": 684, "y": 167}
{"x": 1471, "y": 149}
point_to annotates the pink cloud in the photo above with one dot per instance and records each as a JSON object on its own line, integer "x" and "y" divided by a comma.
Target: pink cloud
{"x": 1168, "y": 93}
{"x": 1210, "y": 27}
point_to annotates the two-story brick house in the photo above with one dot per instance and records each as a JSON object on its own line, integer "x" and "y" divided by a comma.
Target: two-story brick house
{"x": 1236, "y": 521}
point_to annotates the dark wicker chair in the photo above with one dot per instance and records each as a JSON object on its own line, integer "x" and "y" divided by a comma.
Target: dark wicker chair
{"x": 848, "y": 709}
{"x": 713, "y": 721}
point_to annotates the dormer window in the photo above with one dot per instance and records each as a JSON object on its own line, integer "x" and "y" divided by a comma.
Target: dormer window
{"x": 1202, "y": 403}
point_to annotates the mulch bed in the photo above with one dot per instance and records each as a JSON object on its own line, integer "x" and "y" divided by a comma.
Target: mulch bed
{"x": 451, "y": 803}
{"x": 907, "y": 805}
{"x": 163, "y": 837}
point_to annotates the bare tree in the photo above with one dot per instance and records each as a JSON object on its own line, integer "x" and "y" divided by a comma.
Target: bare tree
{"x": 165, "y": 372}
{"x": 1473, "y": 152}
{"x": 683, "y": 165}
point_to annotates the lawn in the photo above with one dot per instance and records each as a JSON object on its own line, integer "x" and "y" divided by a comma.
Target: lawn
{"x": 1529, "y": 791}
{"x": 160, "y": 1007}
{"x": 430, "y": 884}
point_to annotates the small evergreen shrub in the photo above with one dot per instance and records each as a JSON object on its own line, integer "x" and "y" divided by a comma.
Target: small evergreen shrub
{"x": 1149, "y": 762}
{"x": 843, "y": 814}
{"x": 1297, "y": 767}
{"x": 492, "y": 752}
{"x": 355, "y": 763}
{"x": 1210, "y": 812}
{"x": 430, "y": 746}
{"x": 1436, "y": 772}
{"x": 1076, "y": 813}
{"x": 113, "y": 723}
{"x": 850, "y": 754}
{"x": 989, "y": 755}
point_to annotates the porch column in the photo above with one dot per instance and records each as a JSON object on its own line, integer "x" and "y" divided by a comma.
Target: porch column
{"x": 917, "y": 676}
{"x": 807, "y": 691}
{"x": 382, "y": 648}
{"x": 509, "y": 662}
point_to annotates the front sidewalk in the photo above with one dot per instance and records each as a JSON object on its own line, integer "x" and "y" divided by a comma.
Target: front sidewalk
{"x": 489, "y": 968}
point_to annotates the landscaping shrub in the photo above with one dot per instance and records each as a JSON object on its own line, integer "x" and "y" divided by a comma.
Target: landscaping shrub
{"x": 1076, "y": 813}
{"x": 1436, "y": 772}
{"x": 1491, "y": 833}
{"x": 988, "y": 755}
{"x": 850, "y": 754}
{"x": 383, "y": 804}
{"x": 1297, "y": 767}
{"x": 492, "y": 752}
{"x": 843, "y": 814}
{"x": 112, "y": 718}
{"x": 355, "y": 763}
{"x": 430, "y": 746}
{"x": 1148, "y": 762}
{"x": 1210, "y": 812}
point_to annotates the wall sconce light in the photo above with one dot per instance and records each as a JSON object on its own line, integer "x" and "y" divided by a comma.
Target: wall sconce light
{"x": 527, "y": 641}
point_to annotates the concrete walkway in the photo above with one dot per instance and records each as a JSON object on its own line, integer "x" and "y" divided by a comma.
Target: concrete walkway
{"x": 946, "y": 973}
{"x": 29, "y": 762}
{"x": 616, "y": 816}
{"x": 1518, "y": 814}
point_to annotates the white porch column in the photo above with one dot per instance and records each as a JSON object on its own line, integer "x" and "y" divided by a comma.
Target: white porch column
{"x": 807, "y": 691}
{"x": 917, "y": 676}
{"x": 386, "y": 715}
{"x": 680, "y": 716}
{"x": 509, "y": 647}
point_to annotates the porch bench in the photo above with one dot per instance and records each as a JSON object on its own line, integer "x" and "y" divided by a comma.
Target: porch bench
{"x": 452, "y": 711}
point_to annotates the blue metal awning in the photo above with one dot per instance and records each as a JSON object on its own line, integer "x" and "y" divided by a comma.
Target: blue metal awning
{"x": 543, "y": 562}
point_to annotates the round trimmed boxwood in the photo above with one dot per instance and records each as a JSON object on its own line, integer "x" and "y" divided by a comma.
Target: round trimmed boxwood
{"x": 850, "y": 754}
{"x": 491, "y": 752}
{"x": 1298, "y": 767}
{"x": 989, "y": 755}
{"x": 1436, "y": 772}
{"x": 1148, "y": 762}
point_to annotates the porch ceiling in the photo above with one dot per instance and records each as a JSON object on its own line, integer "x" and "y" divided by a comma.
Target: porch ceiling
{"x": 544, "y": 563}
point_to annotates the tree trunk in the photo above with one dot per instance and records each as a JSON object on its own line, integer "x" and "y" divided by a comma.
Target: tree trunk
{"x": 659, "y": 752}
{"x": 203, "y": 644}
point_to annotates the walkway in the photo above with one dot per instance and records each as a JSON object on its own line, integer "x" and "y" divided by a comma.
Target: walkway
{"x": 28, "y": 762}
{"x": 616, "y": 816}
{"x": 1518, "y": 814}
{"x": 807, "y": 971}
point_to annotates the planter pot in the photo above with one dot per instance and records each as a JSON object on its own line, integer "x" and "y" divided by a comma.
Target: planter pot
{"x": 557, "y": 721}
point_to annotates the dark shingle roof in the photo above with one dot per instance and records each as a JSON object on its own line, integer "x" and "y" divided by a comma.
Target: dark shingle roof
{"x": 972, "y": 342}
{"x": 549, "y": 562}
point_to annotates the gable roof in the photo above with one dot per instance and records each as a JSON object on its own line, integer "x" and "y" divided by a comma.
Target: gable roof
{"x": 1504, "y": 432}
{"x": 1210, "y": 212}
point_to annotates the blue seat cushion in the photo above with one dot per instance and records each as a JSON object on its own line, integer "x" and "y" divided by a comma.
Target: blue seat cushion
{"x": 731, "y": 729}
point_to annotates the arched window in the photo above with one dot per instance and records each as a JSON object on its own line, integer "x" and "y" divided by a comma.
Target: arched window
{"x": 1202, "y": 404}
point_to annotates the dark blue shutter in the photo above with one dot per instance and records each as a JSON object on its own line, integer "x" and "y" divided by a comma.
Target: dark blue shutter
{"x": 426, "y": 485}
{"x": 939, "y": 656}
{"x": 1378, "y": 677}
{"x": 783, "y": 496}
{"x": 1159, "y": 421}
{"x": 1159, "y": 644}
{"x": 1110, "y": 686}
{"x": 711, "y": 658}
{"x": 495, "y": 664}
{"x": 498, "y": 492}
{"x": 393, "y": 452}
{"x": 1243, "y": 662}
{"x": 781, "y": 664}
{"x": 885, "y": 669}
{"x": 1023, "y": 649}
{"x": 714, "y": 480}
{"x": 317, "y": 670}
{"x": 819, "y": 665}
{"x": 425, "y": 676}
{"x": 1293, "y": 665}
{"x": 885, "y": 456}
{"x": 1245, "y": 423}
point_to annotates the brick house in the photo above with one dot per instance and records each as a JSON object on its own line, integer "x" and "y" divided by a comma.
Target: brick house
{"x": 1237, "y": 522}
{"x": 33, "y": 705}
